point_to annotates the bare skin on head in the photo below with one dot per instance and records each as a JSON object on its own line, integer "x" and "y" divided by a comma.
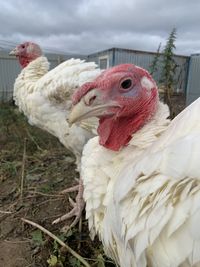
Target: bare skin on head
{"x": 26, "y": 53}
{"x": 124, "y": 98}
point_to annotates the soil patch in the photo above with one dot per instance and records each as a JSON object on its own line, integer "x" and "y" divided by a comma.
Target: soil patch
{"x": 48, "y": 169}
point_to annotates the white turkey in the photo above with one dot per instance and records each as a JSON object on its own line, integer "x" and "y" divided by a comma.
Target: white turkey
{"x": 45, "y": 98}
{"x": 141, "y": 175}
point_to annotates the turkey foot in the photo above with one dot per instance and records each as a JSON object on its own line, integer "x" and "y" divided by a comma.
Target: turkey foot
{"x": 77, "y": 207}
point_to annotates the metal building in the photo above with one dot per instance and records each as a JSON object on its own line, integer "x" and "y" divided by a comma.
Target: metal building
{"x": 10, "y": 68}
{"x": 193, "y": 83}
{"x": 115, "y": 56}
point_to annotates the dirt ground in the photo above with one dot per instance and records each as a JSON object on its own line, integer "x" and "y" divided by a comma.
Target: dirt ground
{"x": 47, "y": 168}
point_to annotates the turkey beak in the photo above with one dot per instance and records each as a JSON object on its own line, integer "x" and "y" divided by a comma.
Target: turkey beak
{"x": 14, "y": 52}
{"x": 90, "y": 105}
{"x": 78, "y": 112}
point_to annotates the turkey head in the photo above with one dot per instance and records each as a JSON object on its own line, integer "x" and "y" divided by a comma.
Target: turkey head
{"x": 124, "y": 98}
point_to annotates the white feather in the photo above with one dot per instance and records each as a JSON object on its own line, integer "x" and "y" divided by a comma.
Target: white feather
{"x": 44, "y": 97}
{"x": 149, "y": 208}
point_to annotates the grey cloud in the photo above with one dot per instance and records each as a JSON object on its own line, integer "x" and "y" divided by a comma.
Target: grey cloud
{"x": 86, "y": 26}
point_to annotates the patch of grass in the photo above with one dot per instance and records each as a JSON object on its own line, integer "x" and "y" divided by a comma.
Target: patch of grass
{"x": 37, "y": 237}
{"x": 8, "y": 169}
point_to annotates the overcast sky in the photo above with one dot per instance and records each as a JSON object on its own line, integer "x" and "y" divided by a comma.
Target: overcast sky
{"x": 87, "y": 26}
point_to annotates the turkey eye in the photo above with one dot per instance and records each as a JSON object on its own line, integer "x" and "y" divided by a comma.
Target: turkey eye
{"x": 126, "y": 84}
{"x": 23, "y": 46}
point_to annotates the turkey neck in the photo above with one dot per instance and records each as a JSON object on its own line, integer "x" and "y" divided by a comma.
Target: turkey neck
{"x": 24, "y": 61}
{"x": 114, "y": 134}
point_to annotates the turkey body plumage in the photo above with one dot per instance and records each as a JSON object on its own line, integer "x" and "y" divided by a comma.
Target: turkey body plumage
{"x": 143, "y": 200}
{"x": 44, "y": 98}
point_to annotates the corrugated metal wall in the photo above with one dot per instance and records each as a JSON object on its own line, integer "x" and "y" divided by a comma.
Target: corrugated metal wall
{"x": 128, "y": 56}
{"x": 193, "y": 84}
{"x": 144, "y": 59}
{"x": 9, "y": 70}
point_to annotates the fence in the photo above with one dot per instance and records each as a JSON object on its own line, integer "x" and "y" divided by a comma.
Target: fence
{"x": 9, "y": 70}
